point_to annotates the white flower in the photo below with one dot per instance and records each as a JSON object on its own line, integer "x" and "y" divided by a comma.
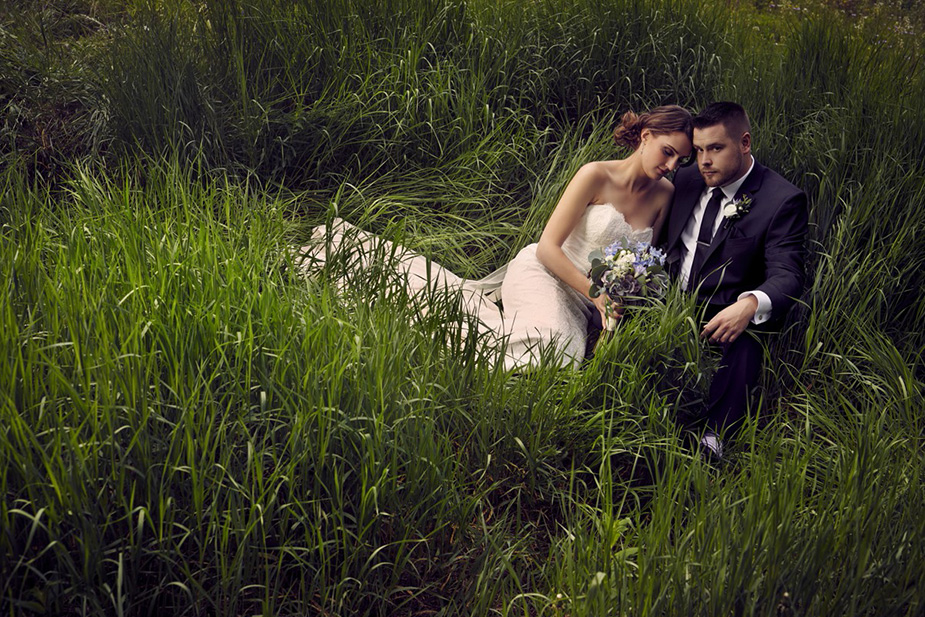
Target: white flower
{"x": 625, "y": 261}
{"x": 737, "y": 209}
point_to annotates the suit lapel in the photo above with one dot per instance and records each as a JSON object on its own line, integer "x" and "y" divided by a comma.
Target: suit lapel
{"x": 752, "y": 182}
{"x": 749, "y": 187}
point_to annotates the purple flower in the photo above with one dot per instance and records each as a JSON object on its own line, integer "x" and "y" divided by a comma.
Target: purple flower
{"x": 624, "y": 286}
{"x": 628, "y": 268}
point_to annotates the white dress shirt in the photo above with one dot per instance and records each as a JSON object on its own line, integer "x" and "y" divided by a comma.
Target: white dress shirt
{"x": 692, "y": 230}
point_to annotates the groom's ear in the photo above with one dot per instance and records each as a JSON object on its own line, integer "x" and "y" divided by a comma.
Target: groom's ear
{"x": 746, "y": 143}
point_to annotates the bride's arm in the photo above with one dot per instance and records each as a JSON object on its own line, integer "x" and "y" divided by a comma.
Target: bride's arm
{"x": 578, "y": 194}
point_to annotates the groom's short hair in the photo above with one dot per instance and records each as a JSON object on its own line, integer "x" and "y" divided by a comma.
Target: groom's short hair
{"x": 730, "y": 115}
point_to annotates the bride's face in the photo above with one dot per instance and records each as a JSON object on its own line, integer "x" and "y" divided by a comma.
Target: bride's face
{"x": 663, "y": 152}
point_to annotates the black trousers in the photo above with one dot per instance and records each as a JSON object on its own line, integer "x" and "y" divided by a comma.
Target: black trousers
{"x": 738, "y": 372}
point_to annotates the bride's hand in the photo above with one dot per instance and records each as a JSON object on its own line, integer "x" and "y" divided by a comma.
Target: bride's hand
{"x": 608, "y": 308}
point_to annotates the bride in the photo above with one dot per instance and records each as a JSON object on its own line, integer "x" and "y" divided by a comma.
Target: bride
{"x": 544, "y": 290}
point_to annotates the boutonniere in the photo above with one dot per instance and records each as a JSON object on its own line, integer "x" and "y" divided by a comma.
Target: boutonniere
{"x": 737, "y": 209}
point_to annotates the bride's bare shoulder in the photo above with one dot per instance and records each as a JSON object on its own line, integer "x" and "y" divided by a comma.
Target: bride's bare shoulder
{"x": 607, "y": 168}
{"x": 591, "y": 177}
{"x": 600, "y": 173}
{"x": 600, "y": 170}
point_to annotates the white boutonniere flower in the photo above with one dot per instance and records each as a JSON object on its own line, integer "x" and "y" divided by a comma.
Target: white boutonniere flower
{"x": 737, "y": 208}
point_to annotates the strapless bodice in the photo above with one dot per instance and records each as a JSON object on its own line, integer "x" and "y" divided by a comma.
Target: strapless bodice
{"x": 599, "y": 226}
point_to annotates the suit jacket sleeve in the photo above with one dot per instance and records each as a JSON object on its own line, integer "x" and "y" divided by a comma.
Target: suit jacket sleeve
{"x": 784, "y": 251}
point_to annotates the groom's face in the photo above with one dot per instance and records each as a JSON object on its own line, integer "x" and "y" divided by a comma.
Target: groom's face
{"x": 721, "y": 157}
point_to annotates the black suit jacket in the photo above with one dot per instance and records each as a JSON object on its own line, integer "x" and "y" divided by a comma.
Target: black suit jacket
{"x": 763, "y": 250}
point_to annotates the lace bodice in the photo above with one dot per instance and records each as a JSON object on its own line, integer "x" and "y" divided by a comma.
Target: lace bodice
{"x": 600, "y": 226}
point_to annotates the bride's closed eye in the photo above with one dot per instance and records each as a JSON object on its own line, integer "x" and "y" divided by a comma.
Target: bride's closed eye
{"x": 682, "y": 160}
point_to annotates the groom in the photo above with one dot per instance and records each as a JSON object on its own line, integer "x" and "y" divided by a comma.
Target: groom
{"x": 735, "y": 237}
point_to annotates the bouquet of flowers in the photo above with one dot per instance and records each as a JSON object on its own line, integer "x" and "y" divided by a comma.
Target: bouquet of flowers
{"x": 628, "y": 272}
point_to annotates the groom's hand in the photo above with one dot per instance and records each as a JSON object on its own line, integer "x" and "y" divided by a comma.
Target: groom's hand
{"x": 730, "y": 322}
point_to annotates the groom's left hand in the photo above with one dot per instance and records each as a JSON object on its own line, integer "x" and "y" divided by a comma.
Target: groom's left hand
{"x": 729, "y": 323}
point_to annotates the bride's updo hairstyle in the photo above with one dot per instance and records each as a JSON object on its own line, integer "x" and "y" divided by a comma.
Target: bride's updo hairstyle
{"x": 660, "y": 120}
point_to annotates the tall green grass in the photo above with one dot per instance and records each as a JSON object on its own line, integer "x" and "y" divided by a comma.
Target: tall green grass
{"x": 312, "y": 95}
{"x": 188, "y": 425}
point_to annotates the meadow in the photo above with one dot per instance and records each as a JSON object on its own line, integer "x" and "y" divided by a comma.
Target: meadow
{"x": 190, "y": 427}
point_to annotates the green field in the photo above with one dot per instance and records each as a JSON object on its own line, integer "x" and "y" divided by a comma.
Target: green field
{"x": 188, "y": 427}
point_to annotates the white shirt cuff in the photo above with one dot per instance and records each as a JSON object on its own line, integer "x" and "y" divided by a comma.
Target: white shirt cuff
{"x": 764, "y": 306}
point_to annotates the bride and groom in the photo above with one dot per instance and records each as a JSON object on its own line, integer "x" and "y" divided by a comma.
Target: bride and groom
{"x": 733, "y": 232}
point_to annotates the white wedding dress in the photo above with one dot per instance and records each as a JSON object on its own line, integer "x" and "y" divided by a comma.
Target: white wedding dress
{"x": 540, "y": 314}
